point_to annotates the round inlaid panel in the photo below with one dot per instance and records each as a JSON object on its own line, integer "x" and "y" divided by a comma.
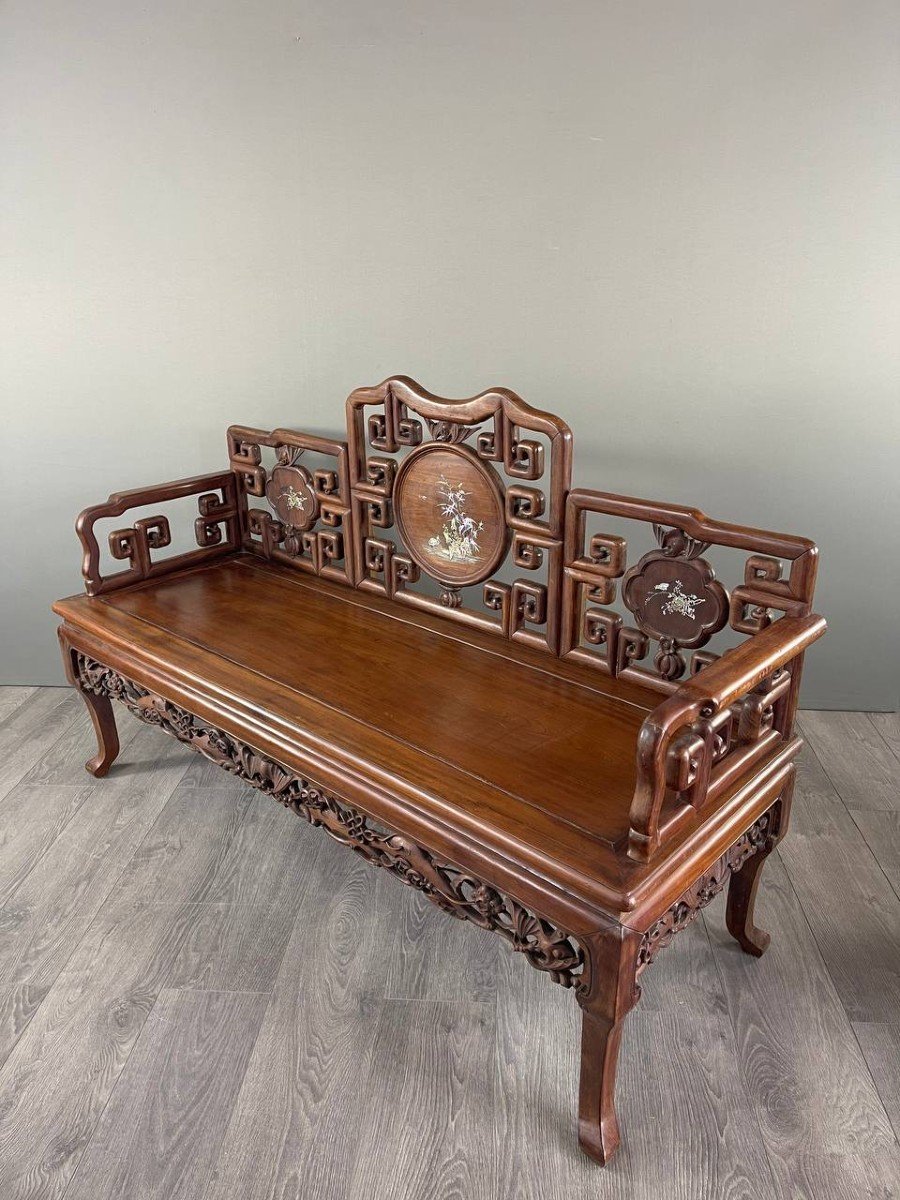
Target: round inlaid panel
{"x": 450, "y": 511}
{"x": 291, "y": 495}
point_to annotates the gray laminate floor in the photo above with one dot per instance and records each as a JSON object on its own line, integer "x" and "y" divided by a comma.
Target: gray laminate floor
{"x": 202, "y": 997}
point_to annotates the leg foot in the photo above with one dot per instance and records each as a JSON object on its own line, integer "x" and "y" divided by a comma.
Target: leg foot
{"x": 103, "y": 718}
{"x": 598, "y": 1127}
{"x": 607, "y": 994}
{"x": 739, "y": 910}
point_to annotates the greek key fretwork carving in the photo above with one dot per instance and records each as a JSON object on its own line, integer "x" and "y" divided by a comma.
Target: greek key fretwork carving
{"x": 741, "y": 728}
{"x": 488, "y": 487}
{"x": 759, "y": 838}
{"x": 671, "y": 594}
{"x": 134, "y": 544}
{"x": 308, "y": 522}
{"x": 216, "y": 531}
{"x": 451, "y": 889}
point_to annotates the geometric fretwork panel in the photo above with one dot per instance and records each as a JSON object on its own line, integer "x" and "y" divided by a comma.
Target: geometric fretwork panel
{"x": 453, "y": 499}
{"x": 636, "y": 620}
{"x": 293, "y": 510}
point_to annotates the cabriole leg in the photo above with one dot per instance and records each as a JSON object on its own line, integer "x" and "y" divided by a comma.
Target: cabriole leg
{"x": 609, "y": 992}
{"x": 739, "y": 909}
{"x": 743, "y": 883}
{"x": 103, "y": 718}
{"x": 101, "y": 711}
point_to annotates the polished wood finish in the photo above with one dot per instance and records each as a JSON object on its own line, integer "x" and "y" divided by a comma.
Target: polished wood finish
{"x": 497, "y": 747}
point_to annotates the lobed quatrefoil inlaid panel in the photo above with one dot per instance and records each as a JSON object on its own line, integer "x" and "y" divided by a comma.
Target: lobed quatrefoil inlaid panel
{"x": 291, "y": 494}
{"x": 451, "y": 497}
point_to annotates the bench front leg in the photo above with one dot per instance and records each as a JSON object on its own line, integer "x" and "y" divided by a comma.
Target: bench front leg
{"x": 607, "y": 993}
{"x": 743, "y": 884}
{"x": 101, "y": 712}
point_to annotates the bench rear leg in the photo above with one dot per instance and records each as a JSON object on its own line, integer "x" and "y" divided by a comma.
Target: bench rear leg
{"x": 743, "y": 883}
{"x": 741, "y": 901}
{"x": 104, "y": 721}
{"x": 608, "y": 994}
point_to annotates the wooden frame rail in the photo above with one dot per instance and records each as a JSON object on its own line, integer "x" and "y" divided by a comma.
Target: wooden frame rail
{"x": 137, "y": 542}
{"x": 716, "y": 728}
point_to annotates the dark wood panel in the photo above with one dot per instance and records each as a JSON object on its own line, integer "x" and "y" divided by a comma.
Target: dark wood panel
{"x": 580, "y": 780}
{"x": 484, "y": 714}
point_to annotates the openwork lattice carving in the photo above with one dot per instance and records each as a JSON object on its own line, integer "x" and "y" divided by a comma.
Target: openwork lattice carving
{"x": 480, "y": 493}
{"x": 671, "y": 593}
{"x": 760, "y": 837}
{"x": 215, "y": 531}
{"x": 457, "y": 892}
{"x": 307, "y": 522}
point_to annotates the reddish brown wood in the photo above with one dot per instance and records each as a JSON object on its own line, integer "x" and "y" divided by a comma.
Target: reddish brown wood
{"x": 607, "y": 993}
{"x": 450, "y": 513}
{"x": 739, "y": 909}
{"x": 745, "y": 880}
{"x": 101, "y": 713}
{"x": 560, "y": 756}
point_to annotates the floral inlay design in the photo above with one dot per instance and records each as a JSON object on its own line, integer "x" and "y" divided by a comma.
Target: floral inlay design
{"x": 677, "y": 600}
{"x": 449, "y": 508}
{"x": 292, "y": 497}
{"x": 459, "y": 536}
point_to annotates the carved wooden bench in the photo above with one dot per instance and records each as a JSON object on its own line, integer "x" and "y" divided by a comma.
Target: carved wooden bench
{"x": 424, "y": 642}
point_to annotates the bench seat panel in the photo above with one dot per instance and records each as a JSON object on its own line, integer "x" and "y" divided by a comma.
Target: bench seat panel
{"x": 545, "y": 742}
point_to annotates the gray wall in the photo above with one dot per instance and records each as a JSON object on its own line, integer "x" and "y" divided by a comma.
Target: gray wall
{"x": 676, "y": 224}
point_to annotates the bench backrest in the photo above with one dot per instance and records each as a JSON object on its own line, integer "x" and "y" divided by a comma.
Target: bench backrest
{"x": 464, "y": 508}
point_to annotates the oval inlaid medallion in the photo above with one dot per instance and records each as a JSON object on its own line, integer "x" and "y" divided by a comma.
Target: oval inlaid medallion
{"x": 451, "y": 515}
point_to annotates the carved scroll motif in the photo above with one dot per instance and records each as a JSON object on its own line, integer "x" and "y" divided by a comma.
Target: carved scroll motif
{"x": 456, "y": 892}
{"x": 759, "y": 838}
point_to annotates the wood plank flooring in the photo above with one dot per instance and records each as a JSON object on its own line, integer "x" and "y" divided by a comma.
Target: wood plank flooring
{"x": 203, "y": 998}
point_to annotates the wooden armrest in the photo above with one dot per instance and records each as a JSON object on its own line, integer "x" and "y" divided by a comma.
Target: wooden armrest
{"x": 217, "y": 506}
{"x": 694, "y": 709}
